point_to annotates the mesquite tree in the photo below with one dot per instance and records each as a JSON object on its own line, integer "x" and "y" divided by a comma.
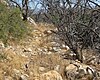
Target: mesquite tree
{"x": 77, "y": 21}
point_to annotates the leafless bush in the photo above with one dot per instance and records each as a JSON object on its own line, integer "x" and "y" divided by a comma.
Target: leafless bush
{"x": 78, "y": 23}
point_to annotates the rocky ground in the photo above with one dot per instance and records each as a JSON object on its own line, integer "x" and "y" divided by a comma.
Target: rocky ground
{"x": 40, "y": 56}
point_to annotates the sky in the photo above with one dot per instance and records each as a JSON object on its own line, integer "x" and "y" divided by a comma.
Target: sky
{"x": 32, "y": 5}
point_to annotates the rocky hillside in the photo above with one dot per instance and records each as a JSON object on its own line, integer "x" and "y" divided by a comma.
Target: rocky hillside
{"x": 42, "y": 56}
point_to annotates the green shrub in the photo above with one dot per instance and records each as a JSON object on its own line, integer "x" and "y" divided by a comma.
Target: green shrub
{"x": 11, "y": 24}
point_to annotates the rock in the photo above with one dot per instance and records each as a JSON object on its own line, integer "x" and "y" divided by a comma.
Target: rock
{"x": 51, "y": 75}
{"x": 35, "y": 30}
{"x": 54, "y": 49}
{"x": 57, "y": 67}
{"x": 48, "y": 32}
{"x": 69, "y": 56}
{"x": 2, "y": 45}
{"x": 45, "y": 50}
{"x": 84, "y": 70}
{"x": 71, "y": 72}
{"x": 40, "y": 35}
{"x": 49, "y": 53}
{"x": 24, "y": 77}
{"x": 27, "y": 50}
{"x": 36, "y": 37}
{"x": 71, "y": 67}
{"x": 39, "y": 49}
{"x": 41, "y": 69}
{"x": 29, "y": 40}
{"x": 53, "y": 42}
{"x": 65, "y": 47}
{"x": 17, "y": 72}
{"x": 50, "y": 48}
{"x": 78, "y": 70}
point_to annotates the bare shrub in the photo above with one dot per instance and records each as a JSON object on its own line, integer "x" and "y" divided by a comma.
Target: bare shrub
{"x": 77, "y": 23}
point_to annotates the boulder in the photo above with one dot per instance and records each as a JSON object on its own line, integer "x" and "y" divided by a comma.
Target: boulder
{"x": 71, "y": 71}
{"x": 78, "y": 70}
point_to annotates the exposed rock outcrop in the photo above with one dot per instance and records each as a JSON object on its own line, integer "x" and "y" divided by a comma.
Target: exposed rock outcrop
{"x": 78, "y": 70}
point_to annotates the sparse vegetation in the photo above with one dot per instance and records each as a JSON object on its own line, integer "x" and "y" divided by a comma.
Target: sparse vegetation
{"x": 64, "y": 44}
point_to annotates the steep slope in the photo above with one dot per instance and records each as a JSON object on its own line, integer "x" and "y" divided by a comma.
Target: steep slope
{"x": 41, "y": 51}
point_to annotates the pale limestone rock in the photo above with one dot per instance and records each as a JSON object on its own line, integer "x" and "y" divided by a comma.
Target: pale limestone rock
{"x": 28, "y": 50}
{"x": 41, "y": 69}
{"x": 49, "y": 53}
{"x": 48, "y": 32}
{"x": 24, "y": 77}
{"x": 71, "y": 67}
{"x": 65, "y": 46}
